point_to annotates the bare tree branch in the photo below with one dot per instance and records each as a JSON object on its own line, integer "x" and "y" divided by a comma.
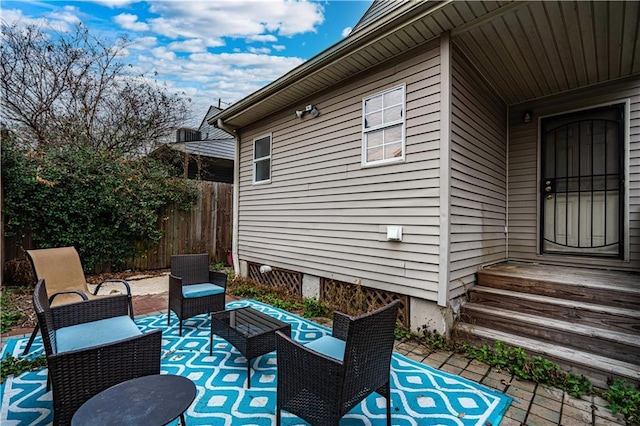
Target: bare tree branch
{"x": 71, "y": 89}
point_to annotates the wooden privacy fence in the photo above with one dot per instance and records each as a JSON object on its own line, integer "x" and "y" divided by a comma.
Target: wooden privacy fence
{"x": 207, "y": 227}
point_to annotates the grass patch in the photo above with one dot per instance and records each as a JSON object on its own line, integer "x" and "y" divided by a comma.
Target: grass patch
{"x": 10, "y": 315}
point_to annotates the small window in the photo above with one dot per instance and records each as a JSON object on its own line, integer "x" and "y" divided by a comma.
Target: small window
{"x": 383, "y": 127}
{"x": 262, "y": 159}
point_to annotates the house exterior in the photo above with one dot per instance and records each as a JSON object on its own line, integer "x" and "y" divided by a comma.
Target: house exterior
{"x": 207, "y": 152}
{"x": 440, "y": 137}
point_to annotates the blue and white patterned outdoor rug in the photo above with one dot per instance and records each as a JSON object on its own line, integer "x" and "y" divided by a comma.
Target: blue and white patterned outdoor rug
{"x": 421, "y": 395}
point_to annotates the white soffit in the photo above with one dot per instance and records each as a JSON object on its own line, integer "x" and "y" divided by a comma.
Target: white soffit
{"x": 526, "y": 50}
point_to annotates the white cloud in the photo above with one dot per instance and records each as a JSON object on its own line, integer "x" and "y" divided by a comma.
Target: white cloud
{"x": 115, "y": 3}
{"x": 252, "y": 20}
{"x": 143, "y": 43}
{"x": 205, "y": 77}
{"x": 278, "y": 47}
{"x": 69, "y": 14}
{"x": 15, "y": 16}
{"x": 346, "y": 31}
{"x": 130, "y": 22}
{"x": 265, "y": 38}
{"x": 195, "y": 45}
{"x": 259, "y": 50}
{"x": 162, "y": 53}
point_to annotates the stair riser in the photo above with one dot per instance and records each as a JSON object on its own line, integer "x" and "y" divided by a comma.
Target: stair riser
{"x": 608, "y": 321}
{"x": 604, "y": 296}
{"x": 611, "y": 349}
{"x": 598, "y": 377}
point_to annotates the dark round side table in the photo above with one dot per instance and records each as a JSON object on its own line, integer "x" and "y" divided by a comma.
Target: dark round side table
{"x": 150, "y": 400}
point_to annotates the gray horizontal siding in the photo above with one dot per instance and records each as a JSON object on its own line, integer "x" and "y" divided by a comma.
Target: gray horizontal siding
{"x": 326, "y": 215}
{"x": 523, "y": 187}
{"x": 478, "y": 172}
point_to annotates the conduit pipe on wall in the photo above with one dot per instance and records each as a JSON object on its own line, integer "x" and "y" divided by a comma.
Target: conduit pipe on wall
{"x": 236, "y": 192}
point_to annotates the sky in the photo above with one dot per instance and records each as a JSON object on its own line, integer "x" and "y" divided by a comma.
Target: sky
{"x": 209, "y": 50}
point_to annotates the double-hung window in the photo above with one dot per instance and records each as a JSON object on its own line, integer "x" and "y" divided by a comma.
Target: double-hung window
{"x": 383, "y": 127}
{"x": 262, "y": 159}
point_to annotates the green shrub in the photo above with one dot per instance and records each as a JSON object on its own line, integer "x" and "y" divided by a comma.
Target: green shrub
{"x": 102, "y": 204}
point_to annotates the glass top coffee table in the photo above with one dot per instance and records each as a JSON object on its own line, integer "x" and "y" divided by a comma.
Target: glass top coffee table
{"x": 251, "y": 332}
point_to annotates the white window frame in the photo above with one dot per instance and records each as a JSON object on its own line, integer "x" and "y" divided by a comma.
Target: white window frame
{"x": 401, "y": 121}
{"x": 267, "y": 157}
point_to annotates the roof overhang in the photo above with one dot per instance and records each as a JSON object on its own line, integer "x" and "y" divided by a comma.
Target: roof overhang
{"x": 526, "y": 50}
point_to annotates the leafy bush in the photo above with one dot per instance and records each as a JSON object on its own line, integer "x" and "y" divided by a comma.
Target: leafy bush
{"x": 94, "y": 200}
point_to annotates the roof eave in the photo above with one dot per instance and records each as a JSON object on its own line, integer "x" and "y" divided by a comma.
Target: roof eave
{"x": 338, "y": 50}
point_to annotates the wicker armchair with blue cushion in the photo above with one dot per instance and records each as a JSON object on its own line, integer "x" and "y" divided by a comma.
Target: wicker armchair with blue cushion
{"x": 193, "y": 288}
{"x": 66, "y": 283}
{"x": 91, "y": 346}
{"x": 324, "y": 379}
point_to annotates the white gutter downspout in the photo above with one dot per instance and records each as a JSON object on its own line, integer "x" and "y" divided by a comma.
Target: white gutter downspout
{"x": 236, "y": 193}
{"x": 445, "y": 169}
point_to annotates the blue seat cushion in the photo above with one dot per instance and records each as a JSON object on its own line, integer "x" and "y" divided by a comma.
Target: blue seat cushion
{"x": 201, "y": 290}
{"x": 329, "y": 346}
{"x": 95, "y": 333}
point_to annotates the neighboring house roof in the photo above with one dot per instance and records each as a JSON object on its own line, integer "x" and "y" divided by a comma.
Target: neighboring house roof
{"x": 221, "y": 148}
{"x": 209, "y": 132}
{"x": 213, "y": 142}
{"x": 512, "y": 44}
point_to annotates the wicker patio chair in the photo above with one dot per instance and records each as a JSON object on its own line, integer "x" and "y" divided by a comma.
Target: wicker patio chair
{"x": 62, "y": 270}
{"x": 193, "y": 288}
{"x": 91, "y": 346}
{"x": 324, "y": 379}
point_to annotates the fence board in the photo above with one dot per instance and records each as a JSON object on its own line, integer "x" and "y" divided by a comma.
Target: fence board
{"x": 206, "y": 228}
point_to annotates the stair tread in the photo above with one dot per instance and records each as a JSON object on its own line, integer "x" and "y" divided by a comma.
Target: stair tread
{"x": 585, "y": 330}
{"x": 592, "y": 278}
{"x": 572, "y": 356}
{"x": 614, "y": 310}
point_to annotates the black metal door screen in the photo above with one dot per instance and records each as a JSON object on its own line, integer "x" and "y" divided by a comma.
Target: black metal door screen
{"x": 582, "y": 183}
